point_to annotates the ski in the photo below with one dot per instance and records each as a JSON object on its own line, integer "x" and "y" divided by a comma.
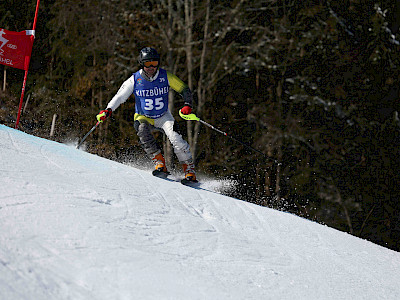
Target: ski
{"x": 164, "y": 175}
{"x": 191, "y": 183}
{"x": 160, "y": 174}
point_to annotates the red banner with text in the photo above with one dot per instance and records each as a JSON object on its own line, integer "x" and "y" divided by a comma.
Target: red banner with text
{"x": 16, "y": 48}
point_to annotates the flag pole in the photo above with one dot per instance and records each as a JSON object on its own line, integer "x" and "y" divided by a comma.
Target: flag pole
{"x": 26, "y": 71}
{"x": 36, "y": 14}
{"x": 21, "y": 100}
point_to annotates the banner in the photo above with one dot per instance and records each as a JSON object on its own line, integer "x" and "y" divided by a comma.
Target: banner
{"x": 16, "y": 48}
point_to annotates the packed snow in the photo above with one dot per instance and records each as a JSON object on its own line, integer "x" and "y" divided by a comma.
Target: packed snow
{"x": 78, "y": 226}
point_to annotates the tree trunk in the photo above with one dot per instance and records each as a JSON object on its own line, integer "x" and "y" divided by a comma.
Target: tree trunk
{"x": 189, "y": 62}
{"x": 168, "y": 150}
{"x": 5, "y": 78}
{"x": 53, "y": 125}
{"x": 201, "y": 89}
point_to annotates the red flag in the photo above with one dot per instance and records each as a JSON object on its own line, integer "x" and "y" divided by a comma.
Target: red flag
{"x": 16, "y": 48}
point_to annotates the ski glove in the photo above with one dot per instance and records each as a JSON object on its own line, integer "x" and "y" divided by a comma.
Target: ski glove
{"x": 186, "y": 110}
{"x": 104, "y": 114}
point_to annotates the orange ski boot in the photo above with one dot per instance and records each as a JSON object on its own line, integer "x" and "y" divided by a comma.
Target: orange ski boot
{"x": 160, "y": 167}
{"x": 190, "y": 174}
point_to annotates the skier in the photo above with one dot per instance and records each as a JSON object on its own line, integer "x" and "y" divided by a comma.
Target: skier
{"x": 150, "y": 86}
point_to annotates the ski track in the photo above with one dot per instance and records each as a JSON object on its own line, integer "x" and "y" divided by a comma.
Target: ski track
{"x": 205, "y": 212}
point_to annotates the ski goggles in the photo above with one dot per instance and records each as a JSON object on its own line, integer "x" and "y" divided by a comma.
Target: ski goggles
{"x": 149, "y": 64}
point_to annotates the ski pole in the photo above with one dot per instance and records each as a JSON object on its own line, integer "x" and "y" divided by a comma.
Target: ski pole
{"x": 193, "y": 117}
{"x": 87, "y": 134}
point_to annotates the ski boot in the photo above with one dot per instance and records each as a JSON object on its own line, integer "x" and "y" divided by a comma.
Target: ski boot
{"x": 190, "y": 174}
{"x": 160, "y": 168}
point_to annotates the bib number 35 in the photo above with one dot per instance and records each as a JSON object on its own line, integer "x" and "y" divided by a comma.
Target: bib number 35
{"x": 157, "y": 103}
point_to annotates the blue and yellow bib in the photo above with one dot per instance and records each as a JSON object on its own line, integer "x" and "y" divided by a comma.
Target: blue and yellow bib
{"x": 151, "y": 97}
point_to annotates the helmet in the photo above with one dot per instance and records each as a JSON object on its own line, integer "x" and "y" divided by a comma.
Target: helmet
{"x": 148, "y": 54}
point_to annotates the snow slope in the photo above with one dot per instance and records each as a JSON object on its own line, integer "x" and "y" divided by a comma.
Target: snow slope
{"x": 78, "y": 226}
